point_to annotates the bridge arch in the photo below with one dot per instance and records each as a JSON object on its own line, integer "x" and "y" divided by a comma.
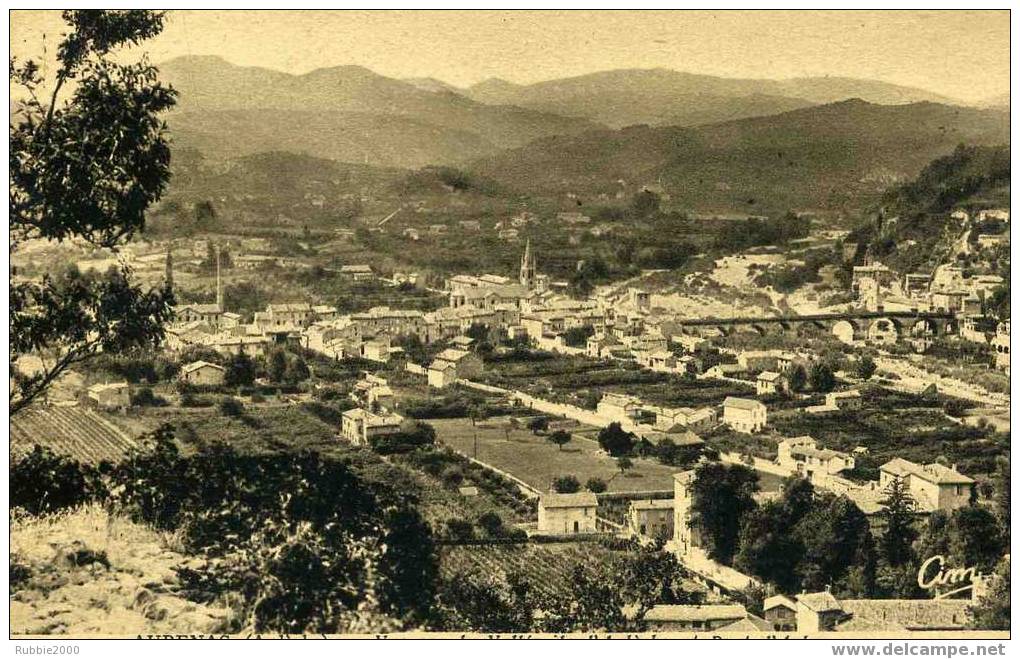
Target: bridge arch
{"x": 924, "y": 327}
{"x": 884, "y": 330}
{"x": 846, "y": 330}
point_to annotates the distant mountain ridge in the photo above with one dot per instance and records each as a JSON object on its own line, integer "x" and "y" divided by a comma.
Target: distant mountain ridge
{"x": 819, "y": 156}
{"x": 229, "y": 110}
{"x": 625, "y": 97}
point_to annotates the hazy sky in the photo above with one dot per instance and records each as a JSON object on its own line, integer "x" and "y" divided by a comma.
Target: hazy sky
{"x": 962, "y": 54}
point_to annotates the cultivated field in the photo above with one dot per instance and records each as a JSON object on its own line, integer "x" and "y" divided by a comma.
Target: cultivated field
{"x": 547, "y": 567}
{"x": 536, "y": 461}
{"x": 78, "y": 432}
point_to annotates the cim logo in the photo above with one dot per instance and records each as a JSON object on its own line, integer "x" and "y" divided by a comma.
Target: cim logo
{"x": 945, "y": 577}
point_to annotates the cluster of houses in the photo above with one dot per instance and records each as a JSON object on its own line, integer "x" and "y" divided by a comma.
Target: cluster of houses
{"x": 375, "y": 414}
{"x": 947, "y": 289}
{"x": 934, "y": 487}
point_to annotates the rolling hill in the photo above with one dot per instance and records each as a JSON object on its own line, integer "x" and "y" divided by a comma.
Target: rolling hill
{"x": 346, "y": 113}
{"x": 663, "y": 97}
{"x": 819, "y": 157}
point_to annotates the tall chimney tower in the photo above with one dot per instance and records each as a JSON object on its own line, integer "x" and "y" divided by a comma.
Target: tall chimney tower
{"x": 219, "y": 285}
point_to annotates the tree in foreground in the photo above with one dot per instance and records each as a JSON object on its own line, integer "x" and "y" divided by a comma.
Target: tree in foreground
{"x": 589, "y": 603}
{"x": 483, "y": 602}
{"x": 992, "y": 609}
{"x": 88, "y": 156}
{"x": 898, "y": 513}
{"x": 722, "y": 495}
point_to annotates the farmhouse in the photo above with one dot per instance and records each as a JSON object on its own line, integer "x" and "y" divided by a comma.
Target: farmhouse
{"x": 836, "y": 401}
{"x": 619, "y": 407}
{"x": 770, "y": 382}
{"x": 802, "y": 455}
{"x": 844, "y": 400}
{"x": 203, "y": 373}
{"x": 933, "y": 486}
{"x": 744, "y": 414}
{"x": 673, "y": 419}
{"x": 781, "y": 612}
{"x": 112, "y": 396}
{"x": 567, "y": 514}
{"x": 451, "y": 365}
{"x": 818, "y": 612}
{"x": 651, "y": 517}
{"x": 254, "y": 261}
{"x": 357, "y": 272}
{"x": 359, "y": 426}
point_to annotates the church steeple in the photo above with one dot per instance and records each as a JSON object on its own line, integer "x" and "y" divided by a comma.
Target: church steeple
{"x": 527, "y": 277}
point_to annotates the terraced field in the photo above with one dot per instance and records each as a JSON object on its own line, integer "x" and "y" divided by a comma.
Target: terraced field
{"x": 81, "y": 433}
{"x": 547, "y": 567}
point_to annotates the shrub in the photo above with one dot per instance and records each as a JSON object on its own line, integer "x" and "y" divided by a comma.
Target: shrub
{"x": 595, "y": 485}
{"x": 566, "y": 484}
{"x": 459, "y": 530}
{"x": 420, "y": 436}
{"x": 43, "y": 482}
{"x": 453, "y": 477}
{"x": 231, "y": 407}
{"x": 491, "y": 523}
{"x": 144, "y": 397}
{"x": 190, "y": 399}
{"x": 331, "y": 414}
{"x": 538, "y": 424}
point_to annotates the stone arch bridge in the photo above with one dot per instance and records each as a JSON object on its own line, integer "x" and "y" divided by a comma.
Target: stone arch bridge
{"x": 881, "y": 326}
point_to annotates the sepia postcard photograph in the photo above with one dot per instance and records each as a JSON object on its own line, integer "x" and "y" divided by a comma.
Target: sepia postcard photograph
{"x": 510, "y": 324}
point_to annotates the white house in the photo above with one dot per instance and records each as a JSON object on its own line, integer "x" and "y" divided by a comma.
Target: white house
{"x": 744, "y": 414}
{"x": 567, "y": 514}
